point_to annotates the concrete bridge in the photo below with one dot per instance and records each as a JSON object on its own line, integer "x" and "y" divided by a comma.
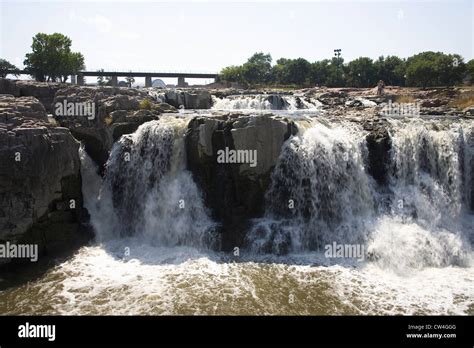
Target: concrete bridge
{"x": 79, "y": 79}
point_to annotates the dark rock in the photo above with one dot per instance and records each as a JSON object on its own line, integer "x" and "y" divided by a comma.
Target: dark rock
{"x": 235, "y": 192}
{"x": 40, "y": 181}
{"x": 192, "y": 99}
{"x": 118, "y": 111}
{"x": 379, "y": 145}
{"x": 433, "y": 103}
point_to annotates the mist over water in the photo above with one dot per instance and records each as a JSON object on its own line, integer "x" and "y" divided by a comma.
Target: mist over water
{"x": 151, "y": 257}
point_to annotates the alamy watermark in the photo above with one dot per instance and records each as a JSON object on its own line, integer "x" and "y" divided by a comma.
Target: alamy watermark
{"x": 19, "y": 251}
{"x": 237, "y": 156}
{"x": 401, "y": 109}
{"x": 75, "y": 109}
{"x": 28, "y": 330}
{"x": 335, "y": 250}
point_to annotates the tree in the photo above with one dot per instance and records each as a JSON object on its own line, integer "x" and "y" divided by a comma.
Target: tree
{"x": 320, "y": 71}
{"x": 450, "y": 69}
{"x": 391, "y": 70}
{"x": 428, "y": 69}
{"x": 470, "y": 70}
{"x": 6, "y": 65}
{"x": 232, "y": 74}
{"x": 336, "y": 73}
{"x": 292, "y": 71}
{"x": 51, "y": 58}
{"x": 130, "y": 80}
{"x": 421, "y": 70}
{"x": 257, "y": 69}
{"x": 361, "y": 72}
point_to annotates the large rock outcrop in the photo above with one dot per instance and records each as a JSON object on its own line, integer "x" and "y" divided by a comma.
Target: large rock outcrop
{"x": 40, "y": 181}
{"x": 379, "y": 144}
{"x": 43, "y": 91}
{"x": 117, "y": 111}
{"x": 190, "y": 99}
{"x": 235, "y": 192}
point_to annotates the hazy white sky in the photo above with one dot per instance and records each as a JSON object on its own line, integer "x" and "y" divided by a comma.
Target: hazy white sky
{"x": 205, "y": 36}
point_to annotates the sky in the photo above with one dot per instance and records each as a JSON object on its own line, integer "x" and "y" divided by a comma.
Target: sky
{"x": 205, "y": 36}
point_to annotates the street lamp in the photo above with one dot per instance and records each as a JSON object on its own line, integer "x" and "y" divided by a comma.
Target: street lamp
{"x": 337, "y": 54}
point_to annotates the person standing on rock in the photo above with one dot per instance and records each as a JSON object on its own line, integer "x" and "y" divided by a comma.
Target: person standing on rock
{"x": 380, "y": 87}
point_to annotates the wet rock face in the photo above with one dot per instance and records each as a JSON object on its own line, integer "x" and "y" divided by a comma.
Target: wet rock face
{"x": 235, "y": 192}
{"x": 40, "y": 182}
{"x": 379, "y": 145}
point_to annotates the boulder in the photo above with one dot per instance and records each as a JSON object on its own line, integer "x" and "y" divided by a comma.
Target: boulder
{"x": 192, "y": 99}
{"x": 379, "y": 145}
{"x": 469, "y": 111}
{"x": 235, "y": 192}
{"x": 9, "y": 87}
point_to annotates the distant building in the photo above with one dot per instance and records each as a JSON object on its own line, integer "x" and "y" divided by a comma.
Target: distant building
{"x": 158, "y": 83}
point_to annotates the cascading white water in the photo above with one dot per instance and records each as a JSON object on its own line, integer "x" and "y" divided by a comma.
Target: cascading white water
{"x": 264, "y": 102}
{"x": 418, "y": 264}
{"x": 148, "y": 194}
{"x": 429, "y": 221}
{"x": 426, "y": 223}
{"x": 319, "y": 190}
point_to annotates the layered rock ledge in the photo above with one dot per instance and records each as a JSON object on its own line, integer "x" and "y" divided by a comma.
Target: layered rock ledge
{"x": 40, "y": 181}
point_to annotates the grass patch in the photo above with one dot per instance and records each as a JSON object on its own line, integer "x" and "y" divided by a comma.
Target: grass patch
{"x": 145, "y": 104}
{"x": 464, "y": 100}
{"x": 407, "y": 99}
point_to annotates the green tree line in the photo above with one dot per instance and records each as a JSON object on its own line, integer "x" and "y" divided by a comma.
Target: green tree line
{"x": 424, "y": 69}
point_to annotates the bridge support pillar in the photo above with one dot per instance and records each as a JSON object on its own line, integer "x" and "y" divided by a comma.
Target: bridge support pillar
{"x": 181, "y": 82}
{"x": 80, "y": 80}
{"x": 147, "y": 81}
{"x": 114, "y": 81}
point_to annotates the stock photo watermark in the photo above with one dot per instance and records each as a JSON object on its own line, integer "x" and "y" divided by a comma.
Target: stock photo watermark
{"x": 19, "y": 251}
{"x": 401, "y": 109}
{"x": 75, "y": 109}
{"x": 344, "y": 251}
{"x": 237, "y": 156}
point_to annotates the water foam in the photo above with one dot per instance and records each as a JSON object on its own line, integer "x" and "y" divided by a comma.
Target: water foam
{"x": 265, "y": 102}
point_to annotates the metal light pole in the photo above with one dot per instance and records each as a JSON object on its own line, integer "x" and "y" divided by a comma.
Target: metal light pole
{"x": 337, "y": 54}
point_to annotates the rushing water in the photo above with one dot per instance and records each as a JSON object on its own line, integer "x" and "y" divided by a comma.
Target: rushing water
{"x": 154, "y": 256}
{"x": 265, "y": 102}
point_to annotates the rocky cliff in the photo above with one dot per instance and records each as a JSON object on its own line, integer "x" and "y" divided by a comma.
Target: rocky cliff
{"x": 118, "y": 111}
{"x": 40, "y": 181}
{"x": 235, "y": 192}
{"x": 43, "y": 91}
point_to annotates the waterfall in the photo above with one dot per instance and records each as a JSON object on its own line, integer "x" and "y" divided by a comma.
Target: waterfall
{"x": 147, "y": 193}
{"x": 265, "y": 102}
{"x": 321, "y": 193}
{"x": 429, "y": 221}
